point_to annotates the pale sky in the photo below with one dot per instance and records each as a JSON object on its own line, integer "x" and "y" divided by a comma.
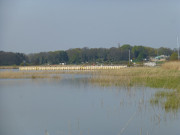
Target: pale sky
{"x": 30, "y": 26}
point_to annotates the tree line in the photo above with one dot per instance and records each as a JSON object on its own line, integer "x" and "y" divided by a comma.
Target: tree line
{"x": 11, "y": 58}
{"x": 113, "y": 55}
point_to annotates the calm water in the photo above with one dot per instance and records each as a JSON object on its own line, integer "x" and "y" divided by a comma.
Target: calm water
{"x": 72, "y": 106}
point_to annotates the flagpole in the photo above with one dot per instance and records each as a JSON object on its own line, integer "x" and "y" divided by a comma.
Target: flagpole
{"x": 178, "y": 47}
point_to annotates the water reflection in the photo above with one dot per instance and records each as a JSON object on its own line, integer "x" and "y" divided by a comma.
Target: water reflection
{"x": 74, "y": 106}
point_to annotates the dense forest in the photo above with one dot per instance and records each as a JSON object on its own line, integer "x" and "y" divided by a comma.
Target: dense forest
{"x": 114, "y": 55}
{"x": 10, "y": 58}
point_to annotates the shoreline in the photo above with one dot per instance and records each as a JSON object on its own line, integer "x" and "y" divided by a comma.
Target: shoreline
{"x": 9, "y": 67}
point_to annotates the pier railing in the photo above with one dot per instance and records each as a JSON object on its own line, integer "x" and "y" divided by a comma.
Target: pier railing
{"x": 70, "y": 67}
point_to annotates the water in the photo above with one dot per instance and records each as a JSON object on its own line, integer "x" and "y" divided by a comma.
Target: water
{"x": 73, "y": 106}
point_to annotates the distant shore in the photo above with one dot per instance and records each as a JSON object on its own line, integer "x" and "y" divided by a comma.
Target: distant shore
{"x": 9, "y": 67}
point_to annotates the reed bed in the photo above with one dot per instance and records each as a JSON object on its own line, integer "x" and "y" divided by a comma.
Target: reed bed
{"x": 8, "y": 74}
{"x": 167, "y": 76}
{"x": 175, "y": 65}
{"x": 32, "y": 75}
{"x": 155, "y": 77}
{"x": 9, "y": 67}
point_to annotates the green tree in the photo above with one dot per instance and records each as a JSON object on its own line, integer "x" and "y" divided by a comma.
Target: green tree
{"x": 174, "y": 56}
{"x": 126, "y": 47}
{"x": 74, "y": 56}
{"x": 164, "y": 51}
{"x": 139, "y": 52}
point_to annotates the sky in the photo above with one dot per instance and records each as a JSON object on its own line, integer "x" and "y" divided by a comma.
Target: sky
{"x": 30, "y": 26}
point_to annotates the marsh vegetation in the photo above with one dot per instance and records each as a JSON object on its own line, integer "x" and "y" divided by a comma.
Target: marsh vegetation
{"x": 31, "y": 75}
{"x": 74, "y": 106}
{"x": 77, "y": 104}
{"x": 9, "y": 67}
{"x": 167, "y": 76}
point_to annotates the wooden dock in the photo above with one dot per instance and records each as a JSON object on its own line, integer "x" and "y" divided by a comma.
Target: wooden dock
{"x": 70, "y": 67}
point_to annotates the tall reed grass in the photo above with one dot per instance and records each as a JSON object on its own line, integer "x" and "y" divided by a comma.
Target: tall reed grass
{"x": 175, "y": 65}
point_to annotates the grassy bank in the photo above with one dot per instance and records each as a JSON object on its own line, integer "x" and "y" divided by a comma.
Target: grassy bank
{"x": 156, "y": 77}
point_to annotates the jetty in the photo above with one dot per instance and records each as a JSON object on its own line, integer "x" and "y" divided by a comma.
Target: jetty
{"x": 70, "y": 67}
